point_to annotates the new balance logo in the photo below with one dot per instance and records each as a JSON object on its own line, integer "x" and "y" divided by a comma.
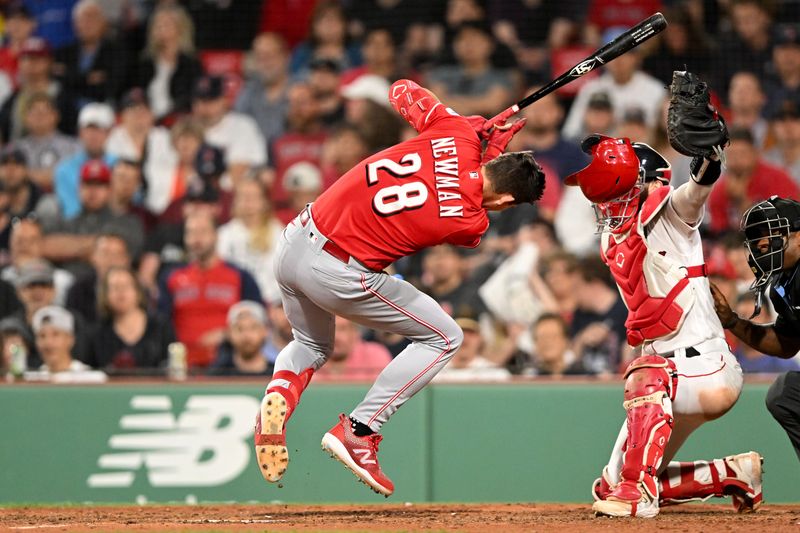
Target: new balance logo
{"x": 205, "y": 444}
{"x": 365, "y": 454}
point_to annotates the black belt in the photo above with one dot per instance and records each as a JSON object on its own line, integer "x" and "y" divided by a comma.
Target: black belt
{"x": 691, "y": 351}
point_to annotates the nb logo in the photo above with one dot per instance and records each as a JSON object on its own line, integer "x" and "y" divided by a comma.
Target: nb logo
{"x": 620, "y": 259}
{"x": 365, "y": 454}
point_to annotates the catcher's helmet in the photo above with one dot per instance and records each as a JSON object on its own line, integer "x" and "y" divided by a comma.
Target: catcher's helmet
{"x": 766, "y": 228}
{"x": 616, "y": 176}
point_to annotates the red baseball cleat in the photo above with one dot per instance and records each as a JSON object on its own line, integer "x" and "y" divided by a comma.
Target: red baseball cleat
{"x": 358, "y": 454}
{"x": 270, "y": 437}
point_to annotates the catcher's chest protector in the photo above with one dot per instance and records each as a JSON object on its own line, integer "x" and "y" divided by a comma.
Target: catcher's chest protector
{"x": 655, "y": 289}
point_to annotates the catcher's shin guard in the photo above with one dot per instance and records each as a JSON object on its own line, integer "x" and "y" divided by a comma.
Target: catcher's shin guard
{"x": 736, "y": 475}
{"x": 649, "y": 390}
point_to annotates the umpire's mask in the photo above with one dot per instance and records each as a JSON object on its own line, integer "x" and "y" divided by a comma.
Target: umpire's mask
{"x": 766, "y": 228}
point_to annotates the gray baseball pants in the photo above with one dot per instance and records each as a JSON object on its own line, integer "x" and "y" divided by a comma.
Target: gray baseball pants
{"x": 315, "y": 286}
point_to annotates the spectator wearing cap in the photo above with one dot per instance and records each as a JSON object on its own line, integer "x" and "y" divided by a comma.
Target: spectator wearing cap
{"x": 164, "y": 248}
{"x": 54, "y": 328}
{"x": 367, "y": 108}
{"x": 35, "y": 290}
{"x": 249, "y": 239}
{"x": 746, "y": 104}
{"x": 472, "y": 86}
{"x": 26, "y": 245}
{"x": 108, "y": 251}
{"x": 324, "y": 78}
{"x": 264, "y": 95}
{"x": 22, "y": 195}
{"x": 634, "y": 126}
{"x": 625, "y": 84}
{"x": 199, "y": 295}
{"x": 747, "y": 179}
{"x": 94, "y": 124}
{"x": 170, "y": 68}
{"x": 327, "y": 38}
{"x": 468, "y": 363}
{"x": 128, "y": 339}
{"x": 43, "y": 144}
{"x": 19, "y": 25}
{"x": 34, "y": 76}
{"x": 303, "y": 183}
{"x": 785, "y": 82}
{"x": 785, "y": 124}
{"x": 599, "y": 117}
{"x": 303, "y": 140}
{"x": 137, "y": 138}
{"x": 242, "y": 352}
{"x": 13, "y": 332}
{"x": 352, "y": 357}
{"x": 94, "y": 68}
{"x": 235, "y": 133}
{"x": 207, "y": 172}
{"x": 73, "y": 240}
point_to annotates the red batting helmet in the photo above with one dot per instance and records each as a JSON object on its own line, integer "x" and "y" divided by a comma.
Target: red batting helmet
{"x": 613, "y": 171}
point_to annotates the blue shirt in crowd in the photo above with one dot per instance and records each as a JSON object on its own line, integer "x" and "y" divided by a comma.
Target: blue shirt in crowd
{"x": 67, "y": 178}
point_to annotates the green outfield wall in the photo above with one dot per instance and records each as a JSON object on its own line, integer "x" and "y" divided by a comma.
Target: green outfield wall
{"x": 501, "y": 443}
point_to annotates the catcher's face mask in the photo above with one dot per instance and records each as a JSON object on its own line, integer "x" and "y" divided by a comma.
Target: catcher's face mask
{"x": 766, "y": 233}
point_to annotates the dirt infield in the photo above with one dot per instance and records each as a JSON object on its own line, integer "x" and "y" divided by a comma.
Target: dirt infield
{"x": 417, "y": 517}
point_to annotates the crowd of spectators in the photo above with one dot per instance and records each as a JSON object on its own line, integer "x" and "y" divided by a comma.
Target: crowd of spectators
{"x": 153, "y": 151}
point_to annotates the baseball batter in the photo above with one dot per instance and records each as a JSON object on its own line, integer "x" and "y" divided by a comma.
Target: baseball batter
{"x": 432, "y": 189}
{"x": 686, "y": 374}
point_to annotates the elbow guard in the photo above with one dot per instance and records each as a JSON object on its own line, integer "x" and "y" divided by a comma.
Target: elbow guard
{"x": 414, "y": 103}
{"x": 705, "y": 171}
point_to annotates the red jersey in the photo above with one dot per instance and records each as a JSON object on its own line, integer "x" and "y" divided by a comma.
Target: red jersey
{"x": 199, "y": 299}
{"x": 766, "y": 180}
{"x": 419, "y": 193}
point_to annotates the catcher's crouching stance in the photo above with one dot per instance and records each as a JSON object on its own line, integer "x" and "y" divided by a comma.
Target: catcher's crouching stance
{"x": 686, "y": 374}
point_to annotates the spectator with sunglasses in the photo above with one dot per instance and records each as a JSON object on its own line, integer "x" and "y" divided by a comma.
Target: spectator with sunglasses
{"x": 772, "y": 240}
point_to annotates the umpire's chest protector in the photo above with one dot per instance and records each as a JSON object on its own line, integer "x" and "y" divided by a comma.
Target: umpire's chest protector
{"x": 655, "y": 289}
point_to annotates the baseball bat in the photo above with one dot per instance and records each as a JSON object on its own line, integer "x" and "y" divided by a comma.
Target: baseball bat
{"x": 623, "y": 43}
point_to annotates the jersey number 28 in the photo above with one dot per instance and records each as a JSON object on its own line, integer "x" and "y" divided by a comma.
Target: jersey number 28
{"x": 397, "y": 198}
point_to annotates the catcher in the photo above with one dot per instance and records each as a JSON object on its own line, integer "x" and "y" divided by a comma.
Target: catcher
{"x": 685, "y": 374}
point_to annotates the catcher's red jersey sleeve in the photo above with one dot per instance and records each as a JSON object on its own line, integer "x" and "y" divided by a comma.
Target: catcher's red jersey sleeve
{"x": 420, "y": 193}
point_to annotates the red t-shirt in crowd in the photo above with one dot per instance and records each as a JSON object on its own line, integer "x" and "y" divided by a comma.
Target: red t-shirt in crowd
{"x": 290, "y": 18}
{"x": 766, "y": 180}
{"x": 419, "y": 193}
{"x": 198, "y": 301}
{"x": 607, "y": 14}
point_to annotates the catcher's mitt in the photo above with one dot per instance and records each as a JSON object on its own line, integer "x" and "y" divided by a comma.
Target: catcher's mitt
{"x": 694, "y": 126}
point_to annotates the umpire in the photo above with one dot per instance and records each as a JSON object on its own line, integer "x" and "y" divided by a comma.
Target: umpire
{"x": 772, "y": 240}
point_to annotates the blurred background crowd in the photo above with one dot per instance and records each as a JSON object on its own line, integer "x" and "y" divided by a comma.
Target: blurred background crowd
{"x": 153, "y": 150}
